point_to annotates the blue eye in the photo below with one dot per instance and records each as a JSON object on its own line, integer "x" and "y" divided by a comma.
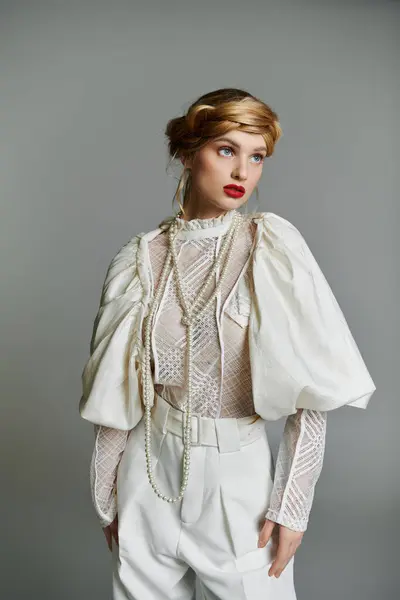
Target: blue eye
{"x": 226, "y": 148}
{"x": 230, "y": 150}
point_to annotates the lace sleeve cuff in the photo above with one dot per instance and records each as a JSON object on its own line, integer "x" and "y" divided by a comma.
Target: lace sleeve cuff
{"x": 298, "y": 467}
{"x": 109, "y": 446}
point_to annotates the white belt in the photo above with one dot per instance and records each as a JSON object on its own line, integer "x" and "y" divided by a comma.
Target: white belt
{"x": 225, "y": 433}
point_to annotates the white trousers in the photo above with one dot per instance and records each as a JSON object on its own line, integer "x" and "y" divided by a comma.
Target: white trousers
{"x": 204, "y": 546}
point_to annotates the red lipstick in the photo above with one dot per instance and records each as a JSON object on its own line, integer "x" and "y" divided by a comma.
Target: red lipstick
{"x": 234, "y": 191}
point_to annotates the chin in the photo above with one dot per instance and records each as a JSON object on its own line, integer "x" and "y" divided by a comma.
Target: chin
{"x": 222, "y": 204}
{"x": 229, "y": 203}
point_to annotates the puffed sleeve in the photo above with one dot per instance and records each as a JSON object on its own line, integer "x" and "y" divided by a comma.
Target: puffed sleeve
{"x": 110, "y": 381}
{"x": 303, "y": 353}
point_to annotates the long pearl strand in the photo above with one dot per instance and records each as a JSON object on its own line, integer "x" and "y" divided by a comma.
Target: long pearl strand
{"x": 190, "y": 316}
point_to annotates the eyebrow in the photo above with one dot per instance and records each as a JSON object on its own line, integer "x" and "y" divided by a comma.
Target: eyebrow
{"x": 237, "y": 145}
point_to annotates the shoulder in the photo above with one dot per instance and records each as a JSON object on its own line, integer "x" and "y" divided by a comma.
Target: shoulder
{"x": 122, "y": 271}
{"x": 127, "y": 253}
{"x": 277, "y": 229}
{"x": 127, "y": 265}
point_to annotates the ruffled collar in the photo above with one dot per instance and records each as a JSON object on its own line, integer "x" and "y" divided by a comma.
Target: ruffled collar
{"x": 199, "y": 228}
{"x": 199, "y": 223}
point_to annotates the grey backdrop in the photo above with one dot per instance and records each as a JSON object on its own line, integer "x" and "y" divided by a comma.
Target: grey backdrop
{"x": 86, "y": 91}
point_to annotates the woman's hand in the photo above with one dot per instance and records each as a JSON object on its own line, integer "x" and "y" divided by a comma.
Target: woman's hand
{"x": 288, "y": 542}
{"x": 111, "y": 531}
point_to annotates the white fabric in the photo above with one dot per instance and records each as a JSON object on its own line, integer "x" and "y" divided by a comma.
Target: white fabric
{"x": 302, "y": 353}
{"x": 110, "y": 378}
{"x": 221, "y": 383}
{"x": 298, "y": 467}
{"x": 108, "y": 448}
{"x": 275, "y": 342}
{"x": 213, "y": 531}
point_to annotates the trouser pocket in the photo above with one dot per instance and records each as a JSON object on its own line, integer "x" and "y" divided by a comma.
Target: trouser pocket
{"x": 246, "y": 486}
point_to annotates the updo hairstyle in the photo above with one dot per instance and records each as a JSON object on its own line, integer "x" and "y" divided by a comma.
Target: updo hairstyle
{"x": 213, "y": 115}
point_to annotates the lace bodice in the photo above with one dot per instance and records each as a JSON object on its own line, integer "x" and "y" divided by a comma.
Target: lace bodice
{"x": 221, "y": 366}
{"x": 222, "y": 379}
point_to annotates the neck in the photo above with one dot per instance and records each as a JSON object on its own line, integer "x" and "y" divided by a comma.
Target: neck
{"x": 200, "y": 211}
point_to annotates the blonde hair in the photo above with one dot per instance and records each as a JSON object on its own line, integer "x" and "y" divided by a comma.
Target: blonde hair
{"x": 213, "y": 115}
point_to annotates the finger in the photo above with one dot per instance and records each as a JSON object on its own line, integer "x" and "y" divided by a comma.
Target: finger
{"x": 281, "y": 562}
{"x": 283, "y": 556}
{"x": 114, "y": 529}
{"x": 265, "y": 533}
{"x": 277, "y": 568}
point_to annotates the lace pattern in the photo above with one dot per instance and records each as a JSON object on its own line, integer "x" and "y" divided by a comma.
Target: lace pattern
{"x": 222, "y": 375}
{"x": 221, "y": 365}
{"x": 298, "y": 466}
{"x": 109, "y": 446}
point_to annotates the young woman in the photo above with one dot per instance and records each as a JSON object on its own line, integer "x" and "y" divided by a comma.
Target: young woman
{"x": 209, "y": 326}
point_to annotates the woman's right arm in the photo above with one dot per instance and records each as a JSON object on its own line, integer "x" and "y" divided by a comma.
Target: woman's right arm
{"x": 108, "y": 449}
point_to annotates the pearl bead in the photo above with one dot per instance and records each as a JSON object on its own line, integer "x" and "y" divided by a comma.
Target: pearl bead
{"x": 189, "y": 318}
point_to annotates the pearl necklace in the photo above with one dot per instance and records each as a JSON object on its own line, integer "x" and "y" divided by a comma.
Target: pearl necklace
{"x": 190, "y": 316}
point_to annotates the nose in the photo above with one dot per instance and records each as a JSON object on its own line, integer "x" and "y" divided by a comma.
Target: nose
{"x": 240, "y": 171}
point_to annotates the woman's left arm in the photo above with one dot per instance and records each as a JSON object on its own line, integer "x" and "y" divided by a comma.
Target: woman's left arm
{"x": 298, "y": 467}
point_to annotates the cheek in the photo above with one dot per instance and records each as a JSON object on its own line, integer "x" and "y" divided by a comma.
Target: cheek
{"x": 256, "y": 176}
{"x": 208, "y": 171}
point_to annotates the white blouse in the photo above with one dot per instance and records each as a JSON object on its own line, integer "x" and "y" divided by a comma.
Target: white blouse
{"x": 275, "y": 343}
